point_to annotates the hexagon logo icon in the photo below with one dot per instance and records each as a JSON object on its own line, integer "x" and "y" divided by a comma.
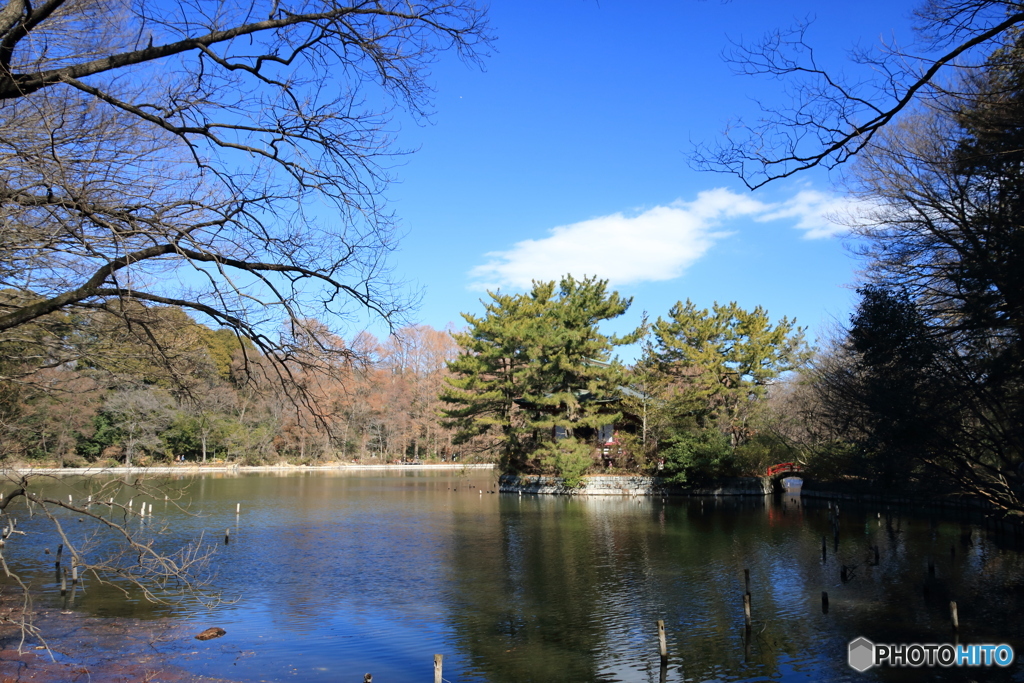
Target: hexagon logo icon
{"x": 862, "y": 654}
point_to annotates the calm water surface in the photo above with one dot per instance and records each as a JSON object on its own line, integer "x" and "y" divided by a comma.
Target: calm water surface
{"x": 334, "y": 574}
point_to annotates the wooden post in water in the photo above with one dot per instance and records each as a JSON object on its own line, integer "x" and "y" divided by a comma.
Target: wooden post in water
{"x": 746, "y": 608}
{"x": 227, "y": 535}
{"x": 662, "y": 643}
{"x": 954, "y": 617}
{"x": 60, "y": 551}
{"x": 437, "y": 668}
{"x": 64, "y": 582}
{"x": 238, "y": 508}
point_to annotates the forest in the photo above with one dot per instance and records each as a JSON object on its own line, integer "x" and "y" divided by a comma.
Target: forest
{"x": 537, "y": 377}
{"x": 167, "y": 387}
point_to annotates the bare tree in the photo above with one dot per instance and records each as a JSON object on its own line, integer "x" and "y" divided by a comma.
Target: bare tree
{"x": 226, "y": 157}
{"x": 96, "y": 542}
{"x": 140, "y": 414}
{"x": 830, "y": 118}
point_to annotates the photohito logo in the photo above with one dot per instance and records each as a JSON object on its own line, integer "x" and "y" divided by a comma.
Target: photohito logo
{"x": 863, "y": 654}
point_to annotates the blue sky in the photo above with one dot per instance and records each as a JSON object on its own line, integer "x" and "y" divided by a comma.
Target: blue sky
{"x": 567, "y": 153}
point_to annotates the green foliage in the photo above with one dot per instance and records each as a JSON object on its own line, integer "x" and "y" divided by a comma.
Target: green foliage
{"x": 490, "y": 372}
{"x": 569, "y": 458}
{"x": 183, "y": 437}
{"x": 723, "y": 361}
{"x": 898, "y": 394}
{"x": 648, "y": 399}
{"x": 536, "y": 362}
{"x": 761, "y": 451}
{"x": 222, "y": 345}
{"x": 837, "y": 459}
{"x": 106, "y": 433}
{"x": 636, "y": 455}
{"x": 696, "y": 457}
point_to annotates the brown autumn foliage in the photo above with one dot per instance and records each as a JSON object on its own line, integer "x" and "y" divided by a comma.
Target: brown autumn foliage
{"x": 358, "y": 399}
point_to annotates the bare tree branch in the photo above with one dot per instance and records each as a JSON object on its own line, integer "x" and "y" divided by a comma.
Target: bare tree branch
{"x": 227, "y": 157}
{"x": 830, "y": 120}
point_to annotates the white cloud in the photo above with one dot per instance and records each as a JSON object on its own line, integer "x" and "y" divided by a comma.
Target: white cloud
{"x": 818, "y": 214}
{"x": 655, "y": 245}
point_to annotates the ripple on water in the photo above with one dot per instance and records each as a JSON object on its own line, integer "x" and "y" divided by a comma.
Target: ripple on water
{"x": 338, "y": 576}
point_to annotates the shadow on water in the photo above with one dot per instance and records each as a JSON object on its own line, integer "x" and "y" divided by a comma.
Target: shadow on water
{"x": 337, "y": 574}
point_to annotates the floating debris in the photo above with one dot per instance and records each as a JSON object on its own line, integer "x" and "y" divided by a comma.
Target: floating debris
{"x": 211, "y": 633}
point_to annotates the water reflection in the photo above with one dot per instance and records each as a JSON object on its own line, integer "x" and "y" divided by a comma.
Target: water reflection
{"x": 561, "y": 589}
{"x": 336, "y": 574}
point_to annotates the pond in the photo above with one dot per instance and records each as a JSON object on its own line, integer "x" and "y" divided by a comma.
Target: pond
{"x": 332, "y": 574}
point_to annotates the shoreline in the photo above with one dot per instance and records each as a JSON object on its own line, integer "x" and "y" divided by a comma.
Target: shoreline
{"x": 625, "y": 485}
{"x": 199, "y": 469}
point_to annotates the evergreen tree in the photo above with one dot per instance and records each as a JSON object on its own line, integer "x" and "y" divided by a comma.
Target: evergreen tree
{"x": 490, "y": 373}
{"x": 536, "y": 365}
{"x": 723, "y": 360}
{"x": 899, "y": 395}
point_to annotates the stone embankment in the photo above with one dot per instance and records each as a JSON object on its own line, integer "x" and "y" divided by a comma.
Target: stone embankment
{"x": 626, "y": 485}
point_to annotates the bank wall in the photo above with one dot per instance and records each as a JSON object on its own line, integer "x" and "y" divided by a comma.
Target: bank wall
{"x": 626, "y": 485}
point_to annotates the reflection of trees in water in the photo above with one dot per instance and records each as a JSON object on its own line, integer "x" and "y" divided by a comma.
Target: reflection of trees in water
{"x": 350, "y": 548}
{"x": 903, "y": 600}
{"x": 507, "y": 579}
{"x": 571, "y": 589}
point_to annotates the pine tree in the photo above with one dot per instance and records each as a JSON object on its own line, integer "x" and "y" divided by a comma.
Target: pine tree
{"x": 490, "y": 373}
{"x": 724, "y": 360}
{"x": 536, "y": 364}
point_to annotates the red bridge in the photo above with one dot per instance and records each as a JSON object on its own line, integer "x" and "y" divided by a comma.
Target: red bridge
{"x": 784, "y": 468}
